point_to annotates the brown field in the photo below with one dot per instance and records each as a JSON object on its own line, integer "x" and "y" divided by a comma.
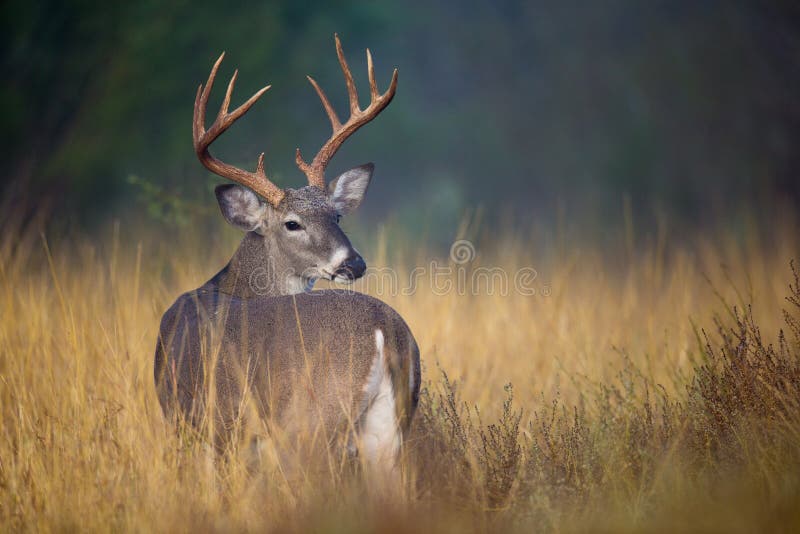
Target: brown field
{"x": 650, "y": 390}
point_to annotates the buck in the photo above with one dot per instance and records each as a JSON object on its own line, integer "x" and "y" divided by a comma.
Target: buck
{"x": 255, "y": 347}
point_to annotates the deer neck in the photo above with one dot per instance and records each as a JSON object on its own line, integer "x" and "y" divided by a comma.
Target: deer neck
{"x": 255, "y": 270}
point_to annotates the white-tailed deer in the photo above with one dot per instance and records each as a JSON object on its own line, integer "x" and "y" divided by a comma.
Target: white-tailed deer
{"x": 254, "y": 346}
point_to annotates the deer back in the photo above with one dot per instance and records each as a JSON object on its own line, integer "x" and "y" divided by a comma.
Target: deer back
{"x": 298, "y": 361}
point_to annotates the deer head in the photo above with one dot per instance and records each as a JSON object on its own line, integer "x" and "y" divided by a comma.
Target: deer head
{"x": 300, "y": 226}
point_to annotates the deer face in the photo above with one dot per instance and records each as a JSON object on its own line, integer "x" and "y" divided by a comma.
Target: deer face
{"x": 300, "y": 227}
{"x": 303, "y": 229}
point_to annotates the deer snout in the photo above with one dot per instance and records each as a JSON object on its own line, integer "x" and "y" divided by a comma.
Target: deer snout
{"x": 352, "y": 268}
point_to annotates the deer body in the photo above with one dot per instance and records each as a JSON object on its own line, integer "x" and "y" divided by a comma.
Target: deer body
{"x": 312, "y": 366}
{"x": 255, "y": 350}
{"x": 331, "y": 364}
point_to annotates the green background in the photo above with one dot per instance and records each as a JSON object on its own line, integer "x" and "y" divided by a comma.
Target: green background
{"x": 687, "y": 110}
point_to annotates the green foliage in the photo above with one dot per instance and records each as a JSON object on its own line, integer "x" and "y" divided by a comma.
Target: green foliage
{"x": 163, "y": 206}
{"x": 513, "y": 104}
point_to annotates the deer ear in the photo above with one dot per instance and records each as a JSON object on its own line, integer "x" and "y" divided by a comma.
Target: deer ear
{"x": 348, "y": 189}
{"x": 240, "y": 206}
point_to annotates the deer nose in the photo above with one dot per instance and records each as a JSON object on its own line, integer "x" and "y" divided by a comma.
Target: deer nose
{"x": 352, "y": 268}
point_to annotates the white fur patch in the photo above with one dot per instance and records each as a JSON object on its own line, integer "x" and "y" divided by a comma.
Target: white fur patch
{"x": 349, "y": 189}
{"x": 376, "y": 372}
{"x": 297, "y": 284}
{"x": 352, "y": 190}
{"x": 339, "y": 193}
{"x": 242, "y": 208}
{"x": 379, "y": 434}
{"x": 338, "y": 256}
{"x": 291, "y": 216}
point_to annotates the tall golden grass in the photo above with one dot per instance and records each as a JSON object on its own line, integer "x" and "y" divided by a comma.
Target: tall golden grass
{"x": 608, "y": 400}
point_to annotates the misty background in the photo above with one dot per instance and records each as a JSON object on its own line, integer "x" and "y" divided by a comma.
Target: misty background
{"x": 531, "y": 110}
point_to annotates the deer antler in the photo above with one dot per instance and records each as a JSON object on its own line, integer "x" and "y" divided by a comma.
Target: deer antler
{"x": 358, "y": 117}
{"x": 257, "y": 181}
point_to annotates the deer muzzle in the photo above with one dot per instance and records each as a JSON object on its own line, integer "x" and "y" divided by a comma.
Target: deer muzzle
{"x": 352, "y": 268}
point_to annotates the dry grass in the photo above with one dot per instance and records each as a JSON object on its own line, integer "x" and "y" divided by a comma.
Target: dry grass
{"x": 651, "y": 391}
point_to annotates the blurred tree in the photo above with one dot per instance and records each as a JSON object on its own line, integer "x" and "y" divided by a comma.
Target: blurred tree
{"x": 683, "y": 106}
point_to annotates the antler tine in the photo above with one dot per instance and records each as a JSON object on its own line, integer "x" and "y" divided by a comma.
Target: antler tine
{"x": 223, "y": 109}
{"x": 334, "y": 118}
{"x": 201, "y": 100}
{"x": 373, "y": 86}
{"x": 315, "y": 171}
{"x": 257, "y": 181}
{"x": 352, "y": 92}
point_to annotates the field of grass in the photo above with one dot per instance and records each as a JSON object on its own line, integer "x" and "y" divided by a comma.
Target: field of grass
{"x": 641, "y": 386}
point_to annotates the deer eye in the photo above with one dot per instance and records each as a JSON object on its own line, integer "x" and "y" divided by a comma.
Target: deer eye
{"x": 338, "y": 218}
{"x": 292, "y": 226}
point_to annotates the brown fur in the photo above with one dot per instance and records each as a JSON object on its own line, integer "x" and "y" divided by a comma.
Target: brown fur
{"x": 298, "y": 362}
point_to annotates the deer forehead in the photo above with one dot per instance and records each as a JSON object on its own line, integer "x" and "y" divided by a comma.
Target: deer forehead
{"x": 307, "y": 200}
